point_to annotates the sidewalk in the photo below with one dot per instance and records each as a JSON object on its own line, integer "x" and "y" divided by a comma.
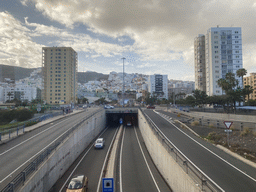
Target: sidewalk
{"x": 7, "y": 137}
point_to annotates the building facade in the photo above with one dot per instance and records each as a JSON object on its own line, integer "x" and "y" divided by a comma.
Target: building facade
{"x": 223, "y": 54}
{"x": 59, "y": 67}
{"x": 158, "y": 84}
{"x": 199, "y": 55}
{"x": 251, "y": 80}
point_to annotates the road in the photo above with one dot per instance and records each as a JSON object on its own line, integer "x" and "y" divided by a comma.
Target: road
{"x": 225, "y": 170}
{"x": 17, "y": 153}
{"x": 138, "y": 173}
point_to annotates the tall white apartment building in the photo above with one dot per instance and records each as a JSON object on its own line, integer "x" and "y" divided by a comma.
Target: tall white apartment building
{"x": 223, "y": 54}
{"x": 158, "y": 84}
{"x": 59, "y": 67}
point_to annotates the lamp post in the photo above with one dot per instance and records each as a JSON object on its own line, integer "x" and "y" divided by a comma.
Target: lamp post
{"x": 123, "y": 82}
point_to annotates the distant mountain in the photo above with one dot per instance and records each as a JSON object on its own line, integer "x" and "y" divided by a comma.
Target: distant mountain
{"x": 84, "y": 77}
{"x": 18, "y": 73}
{"x": 14, "y": 73}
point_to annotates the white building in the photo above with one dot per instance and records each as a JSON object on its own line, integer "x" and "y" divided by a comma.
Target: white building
{"x": 223, "y": 54}
{"x": 158, "y": 84}
{"x": 20, "y": 92}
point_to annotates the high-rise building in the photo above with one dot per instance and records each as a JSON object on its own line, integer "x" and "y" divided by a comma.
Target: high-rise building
{"x": 223, "y": 54}
{"x": 199, "y": 51}
{"x": 250, "y": 80}
{"x": 158, "y": 84}
{"x": 59, "y": 67}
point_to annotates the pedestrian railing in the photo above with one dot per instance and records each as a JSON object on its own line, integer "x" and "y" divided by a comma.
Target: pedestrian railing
{"x": 21, "y": 177}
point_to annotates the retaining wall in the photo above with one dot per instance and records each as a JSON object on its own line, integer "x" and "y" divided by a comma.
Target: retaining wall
{"x": 174, "y": 175}
{"x": 59, "y": 161}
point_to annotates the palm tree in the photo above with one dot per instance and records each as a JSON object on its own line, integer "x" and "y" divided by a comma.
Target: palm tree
{"x": 241, "y": 73}
{"x": 9, "y": 95}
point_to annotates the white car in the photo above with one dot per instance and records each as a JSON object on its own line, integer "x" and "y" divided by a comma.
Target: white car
{"x": 129, "y": 124}
{"x": 99, "y": 143}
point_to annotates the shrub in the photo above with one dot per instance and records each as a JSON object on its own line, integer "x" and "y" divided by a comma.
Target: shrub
{"x": 254, "y": 133}
{"x": 195, "y": 123}
{"x": 213, "y": 136}
{"x": 245, "y": 132}
{"x": 211, "y": 125}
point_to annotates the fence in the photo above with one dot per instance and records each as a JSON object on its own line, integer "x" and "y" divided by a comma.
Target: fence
{"x": 21, "y": 177}
{"x": 21, "y": 129}
{"x": 205, "y": 183}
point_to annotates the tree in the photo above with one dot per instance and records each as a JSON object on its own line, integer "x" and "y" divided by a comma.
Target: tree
{"x": 200, "y": 97}
{"x": 247, "y": 90}
{"x": 9, "y": 95}
{"x": 241, "y": 73}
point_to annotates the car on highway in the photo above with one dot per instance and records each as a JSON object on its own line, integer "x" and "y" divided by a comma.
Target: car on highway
{"x": 109, "y": 107}
{"x": 79, "y": 183}
{"x": 129, "y": 124}
{"x": 99, "y": 143}
{"x": 150, "y": 107}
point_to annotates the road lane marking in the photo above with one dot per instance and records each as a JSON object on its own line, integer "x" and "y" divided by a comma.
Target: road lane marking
{"x": 32, "y": 137}
{"x": 80, "y": 162}
{"x": 120, "y": 163}
{"x": 185, "y": 155}
{"x": 211, "y": 151}
{"x": 146, "y": 162}
{"x": 105, "y": 161}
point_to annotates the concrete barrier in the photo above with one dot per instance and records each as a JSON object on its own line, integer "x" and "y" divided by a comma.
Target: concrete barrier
{"x": 171, "y": 171}
{"x": 59, "y": 161}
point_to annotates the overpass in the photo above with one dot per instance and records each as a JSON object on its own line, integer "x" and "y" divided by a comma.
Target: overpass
{"x": 184, "y": 163}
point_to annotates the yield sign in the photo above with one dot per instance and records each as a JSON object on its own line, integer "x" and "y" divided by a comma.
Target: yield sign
{"x": 228, "y": 124}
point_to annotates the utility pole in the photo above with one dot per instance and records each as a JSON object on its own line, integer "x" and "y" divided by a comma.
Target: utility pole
{"x": 123, "y": 82}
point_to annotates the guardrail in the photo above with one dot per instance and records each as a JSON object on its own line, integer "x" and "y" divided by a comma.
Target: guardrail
{"x": 203, "y": 181}
{"x": 21, "y": 177}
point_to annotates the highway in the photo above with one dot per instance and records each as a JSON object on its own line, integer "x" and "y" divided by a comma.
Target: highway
{"x": 225, "y": 170}
{"x": 17, "y": 153}
{"x": 137, "y": 171}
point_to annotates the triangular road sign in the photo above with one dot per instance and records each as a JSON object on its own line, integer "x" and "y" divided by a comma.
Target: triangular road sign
{"x": 228, "y": 124}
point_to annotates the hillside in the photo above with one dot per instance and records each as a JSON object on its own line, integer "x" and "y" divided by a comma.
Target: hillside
{"x": 18, "y": 73}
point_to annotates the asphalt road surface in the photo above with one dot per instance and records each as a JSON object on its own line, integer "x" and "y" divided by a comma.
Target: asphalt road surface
{"x": 225, "y": 170}
{"x": 16, "y": 154}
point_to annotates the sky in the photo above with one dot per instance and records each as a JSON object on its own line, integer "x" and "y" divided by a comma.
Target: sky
{"x": 155, "y": 36}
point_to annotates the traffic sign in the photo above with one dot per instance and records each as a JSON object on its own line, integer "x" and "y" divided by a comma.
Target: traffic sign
{"x": 228, "y": 124}
{"x": 228, "y": 130}
{"x": 121, "y": 121}
{"x": 107, "y": 185}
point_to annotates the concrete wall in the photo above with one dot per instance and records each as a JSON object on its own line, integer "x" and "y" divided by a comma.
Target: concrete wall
{"x": 57, "y": 164}
{"x": 174, "y": 175}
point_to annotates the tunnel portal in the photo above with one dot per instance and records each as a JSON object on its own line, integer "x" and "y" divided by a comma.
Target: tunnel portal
{"x": 126, "y": 114}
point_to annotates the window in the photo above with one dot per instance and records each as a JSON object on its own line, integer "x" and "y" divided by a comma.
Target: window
{"x": 236, "y": 41}
{"x": 236, "y": 51}
{"x": 216, "y": 51}
{"x": 236, "y": 31}
{"x": 215, "y": 37}
{"x": 216, "y": 42}
{"x": 216, "y": 47}
{"x": 216, "y": 61}
{"x": 236, "y": 37}
{"x": 215, "y": 32}
{"x": 216, "y": 57}
{"x": 237, "y": 56}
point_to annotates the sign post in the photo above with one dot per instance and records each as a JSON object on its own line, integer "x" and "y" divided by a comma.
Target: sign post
{"x": 228, "y": 125}
{"x": 107, "y": 185}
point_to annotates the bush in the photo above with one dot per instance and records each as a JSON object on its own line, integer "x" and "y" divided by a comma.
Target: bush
{"x": 213, "y": 136}
{"x": 254, "y": 133}
{"x": 245, "y": 132}
{"x": 195, "y": 123}
{"x": 211, "y": 125}
{"x": 20, "y": 115}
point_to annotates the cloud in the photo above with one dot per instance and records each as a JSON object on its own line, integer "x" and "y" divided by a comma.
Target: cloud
{"x": 162, "y": 29}
{"x": 16, "y": 45}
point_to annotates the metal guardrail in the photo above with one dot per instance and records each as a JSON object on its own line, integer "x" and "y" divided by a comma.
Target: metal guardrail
{"x": 205, "y": 183}
{"x": 21, "y": 177}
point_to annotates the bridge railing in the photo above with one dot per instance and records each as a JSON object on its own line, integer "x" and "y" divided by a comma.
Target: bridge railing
{"x": 21, "y": 177}
{"x": 202, "y": 180}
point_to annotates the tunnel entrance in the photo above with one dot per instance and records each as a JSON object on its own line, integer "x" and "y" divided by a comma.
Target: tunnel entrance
{"x": 128, "y": 116}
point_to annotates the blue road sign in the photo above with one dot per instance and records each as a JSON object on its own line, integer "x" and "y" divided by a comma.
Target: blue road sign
{"x": 121, "y": 121}
{"x": 107, "y": 185}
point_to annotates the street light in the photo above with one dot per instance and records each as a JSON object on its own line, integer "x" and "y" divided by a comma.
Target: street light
{"x": 123, "y": 82}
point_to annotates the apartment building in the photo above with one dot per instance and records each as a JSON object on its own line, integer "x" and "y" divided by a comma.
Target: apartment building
{"x": 251, "y": 80}
{"x": 158, "y": 84}
{"x": 200, "y": 74}
{"x": 223, "y": 54}
{"x": 59, "y": 67}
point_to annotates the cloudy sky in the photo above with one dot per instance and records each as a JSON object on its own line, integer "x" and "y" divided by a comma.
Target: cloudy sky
{"x": 155, "y": 36}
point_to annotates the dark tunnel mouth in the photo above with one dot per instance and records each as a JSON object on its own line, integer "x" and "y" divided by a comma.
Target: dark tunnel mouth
{"x": 113, "y": 119}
